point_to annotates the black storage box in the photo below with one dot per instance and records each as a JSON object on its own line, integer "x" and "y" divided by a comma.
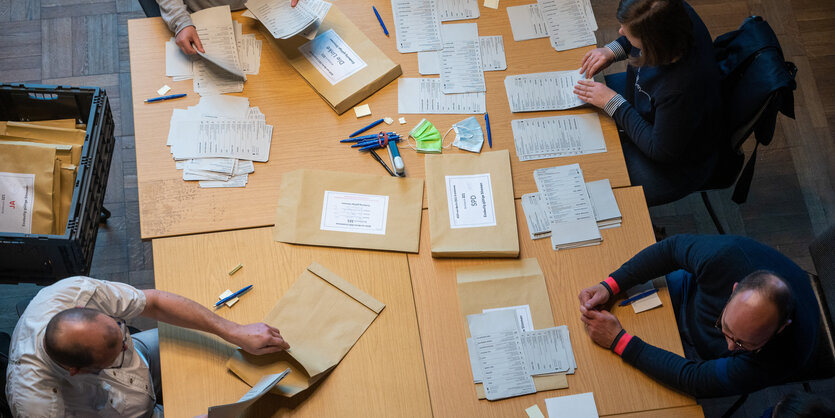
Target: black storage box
{"x": 44, "y": 259}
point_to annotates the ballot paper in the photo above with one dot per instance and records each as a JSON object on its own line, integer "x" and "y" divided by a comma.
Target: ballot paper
{"x": 499, "y": 348}
{"x": 354, "y": 212}
{"x": 282, "y": 20}
{"x": 606, "y": 210}
{"x": 526, "y": 22}
{"x": 218, "y": 70}
{"x": 263, "y": 386}
{"x": 572, "y": 217}
{"x": 317, "y": 8}
{"x": 243, "y": 139}
{"x": 424, "y": 96}
{"x": 470, "y": 201}
{"x": 461, "y": 59}
{"x": 492, "y": 57}
{"x": 234, "y": 181}
{"x": 177, "y": 64}
{"x": 249, "y": 53}
{"x": 568, "y": 23}
{"x": 536, "y": 215}
{"x": 542, "y": 91}
{"x": 457, "y": 9}
{"x": 417, "y": 25}
{"x": 557, "y": 136}
{"x": 523, "y": 315}
{"x": 551, "y": 346}
{"x": 572, "y": 406}
{"x": 332, "y": 57}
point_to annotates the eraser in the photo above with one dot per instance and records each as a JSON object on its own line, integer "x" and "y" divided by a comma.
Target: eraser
{"x": 388, "y": 120}
{"x": 164, "y": 89}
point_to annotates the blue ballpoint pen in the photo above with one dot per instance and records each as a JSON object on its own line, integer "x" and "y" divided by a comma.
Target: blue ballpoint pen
{"x": 637, "y": 297}
{"x": 376, "y": 140}
{"x": 370, "y": 125}
{"x": 489, "y": 134}
{"x": 232, "y": 296}
{"x": 365, "y": 138}
{"x": 380, "y": 19}
{"x": 376, "y": 144}
{"x": 161, "y": 98}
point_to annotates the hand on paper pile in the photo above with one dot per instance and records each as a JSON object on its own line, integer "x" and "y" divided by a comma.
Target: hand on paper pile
{"x": 258, "y": 338}
{"x": 593, "y": 93}
{"x": 594, "y": 296}
{"x": 188, "y": 41}
{"x": 601, "y": 326}
{"x": 596, "y": 60}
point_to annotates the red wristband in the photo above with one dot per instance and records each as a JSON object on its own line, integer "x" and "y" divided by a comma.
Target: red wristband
{"x": 613, "y": 285}
{"x": 622, "y": 343}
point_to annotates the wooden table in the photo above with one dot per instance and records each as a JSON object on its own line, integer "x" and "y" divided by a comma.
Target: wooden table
{"x": 170, "y": 206}
{"x": 415, "y": 351}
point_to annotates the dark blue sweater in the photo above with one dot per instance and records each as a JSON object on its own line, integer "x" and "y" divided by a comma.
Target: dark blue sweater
{"x": 716, "y": 263}
{"x": 674, "y": 114}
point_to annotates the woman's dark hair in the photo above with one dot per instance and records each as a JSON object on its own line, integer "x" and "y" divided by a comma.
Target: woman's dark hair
{"x": 663, "y": 26}
{"x": 803, "y": 405}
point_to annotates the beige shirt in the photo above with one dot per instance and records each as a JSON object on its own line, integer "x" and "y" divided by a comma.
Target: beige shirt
{"x": 38, "y": 387}
{"x": 175, "y": 13}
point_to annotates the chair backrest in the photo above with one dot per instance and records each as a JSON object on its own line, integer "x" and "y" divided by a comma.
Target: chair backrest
{"x": 150, "y": 7}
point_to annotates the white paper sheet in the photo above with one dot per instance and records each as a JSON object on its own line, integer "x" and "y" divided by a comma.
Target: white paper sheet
{"x": 235, "y": 409}
{"x": 17, "y": 199}
{"x": 523, "y": 315}
{"x": 572, "y": 218}
{"x": 646, "y": 303}
{"x": 177, "y": 64}
{"x": 492, "y": 57}
{"x": 282, "y": 20}
{"x": 234, "y": 181}
{"x": 526, "y": 22}
{"x": 470, "y": 201}
{"x": 558, "y": 136}
{"x": 606, "y": 210}
{"x": 536, "y": 215}
{"x": 572, "y": 406}
{"x": 417, "y": 25}
{"x": 544, "y": 352}
{"x": 353, "y": 212}
{"x": 226, "y": 107}
{"x": 247, "y": 140}
{"x": 424, "y": 96}
{"x": 500, "y": 355}
{"x": 334, "y": 59}
{"x": 317, "y": 8}
{"x": 542, "y": 91}
{"x": 218, "y": 70}
{"x": 568, "y": 23}
{"x": 249, "y": 53}
{"x": 458, "y": 9}
{"x": 461, "y": 70}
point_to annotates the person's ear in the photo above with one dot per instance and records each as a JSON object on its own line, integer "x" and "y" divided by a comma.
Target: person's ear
{"x": 734, "y": 288}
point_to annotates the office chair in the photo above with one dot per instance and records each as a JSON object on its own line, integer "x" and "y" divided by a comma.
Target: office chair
{"x": 822, "y": 362}
{"x": 150, "y": 7}
{"x": 757, "y": 83}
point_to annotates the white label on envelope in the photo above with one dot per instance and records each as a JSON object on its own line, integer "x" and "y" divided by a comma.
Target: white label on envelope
{"x": 334, "y": 59}
{"x": 470, "y": 200}
{"x": 17, "y": 197}
{"x": 353, "y": 212}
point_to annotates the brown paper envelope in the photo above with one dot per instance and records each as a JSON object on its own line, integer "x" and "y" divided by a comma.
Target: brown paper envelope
{"x": 73, "y": 150}
{"x": 501, "y": 240}
{"x": 68, "y": 172}
{"x": 39, "y": 161}
{"x": 321, "y": 316}
{"x": 344, "y": 95}
{"x": 299, "y": 215}
{"x": 509, "y": 283}
{"x": 55, "y": 123}
{"x": 56, "y": 196}
{"x": 51, "y": 134}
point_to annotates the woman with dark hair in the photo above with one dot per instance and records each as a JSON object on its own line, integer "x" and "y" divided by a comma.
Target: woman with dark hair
{"x": 668, "y": 103}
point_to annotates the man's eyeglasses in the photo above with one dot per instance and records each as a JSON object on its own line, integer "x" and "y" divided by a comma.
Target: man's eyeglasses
{"x": 123, "y": 328}
{"x": 739, "y": 345}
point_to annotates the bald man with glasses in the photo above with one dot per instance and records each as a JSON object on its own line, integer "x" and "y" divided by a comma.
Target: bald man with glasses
{"x": 746, "y": 314}
{"x": 72, "y": 355}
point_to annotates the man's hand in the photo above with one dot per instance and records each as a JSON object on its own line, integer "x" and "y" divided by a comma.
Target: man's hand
{"x": 596, "y": 60}
{"x": 258, "y": 338}
{"x": 186, "y": 37}
{"x": 601, "y": 326}
{"x": 593, "y": 93}
{"x": 592, "y": 297}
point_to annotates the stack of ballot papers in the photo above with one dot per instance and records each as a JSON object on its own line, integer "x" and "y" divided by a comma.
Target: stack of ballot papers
{"x": 605, "y": 208}
{"x": 542, "y": 91}
{"x": 417, "y": 25}
{"x": 569, "y": 23}
{"x": 217, "y": 141}
{"x": 506, "y": 352}
{"x": 558, "y": 136}
{"x": 284, "y": 21}
{"x": 492, "y": 56}
{"x": 229, "y": 54}
{"x": 571, "y": 216}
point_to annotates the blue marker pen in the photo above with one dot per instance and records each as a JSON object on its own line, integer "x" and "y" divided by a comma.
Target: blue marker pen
{"x": 396, "y": 159}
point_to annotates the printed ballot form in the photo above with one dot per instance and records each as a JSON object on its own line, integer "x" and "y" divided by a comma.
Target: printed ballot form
{"x": 557, "y": 136}
{"x": 17, "y": 198}
{"x": 332, "y": 57}
{"x": 526, "y": 22}
{"x": 492, "y": 56}
{"x": 470, "y": 201}
{"x": 458, "y": 10}
{"x": 282, "y": 20}
{"x": 461, "y": 70}
{"x": 542, "y": 91}
{"x": 424, "y": 96}
{"x": 354, "y": 212}
{"x": 569, "y": 24}
{"x": 417, "y": 25}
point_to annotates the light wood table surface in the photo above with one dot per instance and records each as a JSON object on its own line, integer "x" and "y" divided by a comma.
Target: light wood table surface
{"x": 382, "y": 375}
{"x": 306, "y": 129}
{"x": 618, "y": 388}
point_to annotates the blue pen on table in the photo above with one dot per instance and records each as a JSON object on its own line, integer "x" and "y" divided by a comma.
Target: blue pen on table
{"x": 380, "y": 19}
{"x": 370, "y": 125}
{"x": 369, "y": 137}
{"x": 169, "y": 97}
{"x": 232, "y": 296}
{"x": 373, "y": 142}
{"x": 637, "y": 297}
{"x": 489, "y": 134}
{"x": 375, "y": 145}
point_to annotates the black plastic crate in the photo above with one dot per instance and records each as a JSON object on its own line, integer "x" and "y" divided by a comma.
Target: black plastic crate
{"x": 44, "y": 259}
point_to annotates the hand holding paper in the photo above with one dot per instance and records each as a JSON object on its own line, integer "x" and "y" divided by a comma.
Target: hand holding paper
{"x": 189, "y": 41}
{"x": 593, "y": 93}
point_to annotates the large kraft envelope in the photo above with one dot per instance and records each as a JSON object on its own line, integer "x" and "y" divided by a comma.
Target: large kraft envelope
{"x": 344, "y": 95}
{"x": 501, "y": 240}
{"x": 509, "y": 283}
{"x": 299, "y": 215}
{"x": 43, "y": 132}
{"x": 42, "y": 162}
{"x": 321, "y": 316}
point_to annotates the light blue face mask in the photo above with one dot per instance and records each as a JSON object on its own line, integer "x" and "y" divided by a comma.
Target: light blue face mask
{"x": 468, "y": 135}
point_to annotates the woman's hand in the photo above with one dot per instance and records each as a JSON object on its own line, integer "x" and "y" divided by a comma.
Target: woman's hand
{"x": 593, "y": 93}
{"x": 596, "y": 60}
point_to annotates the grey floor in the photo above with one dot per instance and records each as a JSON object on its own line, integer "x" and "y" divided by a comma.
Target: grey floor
{"x": 84, "y": 42}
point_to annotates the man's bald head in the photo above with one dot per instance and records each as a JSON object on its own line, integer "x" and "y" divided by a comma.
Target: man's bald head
{"x": 760, "y": 306}
{"x": 79, "y": 338}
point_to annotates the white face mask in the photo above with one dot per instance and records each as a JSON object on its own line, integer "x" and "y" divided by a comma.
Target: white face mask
{"x": 468, "y": 135}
